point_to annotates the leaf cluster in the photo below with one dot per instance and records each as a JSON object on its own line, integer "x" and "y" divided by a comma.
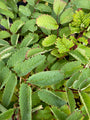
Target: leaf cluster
{"x": 44, "y": 60}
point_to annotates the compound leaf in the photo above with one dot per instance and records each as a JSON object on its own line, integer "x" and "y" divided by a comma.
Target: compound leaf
{"x": 64, "y": 44}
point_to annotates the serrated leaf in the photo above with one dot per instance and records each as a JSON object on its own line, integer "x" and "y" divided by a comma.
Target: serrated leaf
{"x": 55, "y": 52}
{"x": 76, "y": 115}
{"x": 4, "y": 76}
{"x": 14, "y": 39}
{"x": 35, "y": 15}
{"x": 5, "y": 23}
{"x": 85, "y": 74}
{"x": 84, "y": 113}
{"x": 87, "y": 34}
{"x": 2, "y": 65}
{"x": 71, "y": 67}
{"x": 74, "y": 77}
{"x": 16, "y": 26}
{"x": 50, "y": 40}
{"x": 3, "y": 6}
{"x": 64, "y": 44}
{"x": 3, "y": 42}
{"x": 41, "y": 67}
{"x": 66, "y": 16}
{"x": 74, "y": 29}
{"x": 34, "y": 51}
{"x": 24, "y": 10}
{"x": 58, "y": 64}
{"x": 35, "y": 99}
{"x": 12, "y": 4}
{"x": 51, "y": 59}
{"x": 28, "y": 65}
{"x": 50, "y": 98}
{"x": 58, "y": 6}
{"x": 45, "y": 31}
{"x": 46, "y": 21}
{"x": 79, "y": 54}
{"x": 85, "y": 84}
{"x": 35, "y": 38}
{"x": 6, "y": 115}
{"x": 44, "y": 114}
{"x": 31, "y": 2}
{"x": 65, "y": 108}
{"x": 27, "y": 40}
{"x": 81, "y": 4}
{"x": 42, "y": 7}
{"x": 25, "y": 102}
{"x": 80, "y": 21}
{"x": 71, "y": 100}
{"x": 6, "y": 55}
{"x": 46, "y": 78}
{"x": 86, "y": 101}
{"x": 23, "y": 17}
{"x": 9, "y": 90}
{"x": 5, "y": 49}
{"x": 29, "y": 25}
{"x": 59, "y": 115}
{"x": 65, "y": 31}
{"x": 83, "y": 40}
{"x": 17, "y": 57}
{"x": 4, "y": 34}
{"x": 7, "y": 13}
{"x": 2, "y": 108}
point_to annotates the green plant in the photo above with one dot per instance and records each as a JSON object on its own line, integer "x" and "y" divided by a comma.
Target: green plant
{"x": 45, "y": 60}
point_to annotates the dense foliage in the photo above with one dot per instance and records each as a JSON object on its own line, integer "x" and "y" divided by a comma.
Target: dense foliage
{"x": 45, "y": 60}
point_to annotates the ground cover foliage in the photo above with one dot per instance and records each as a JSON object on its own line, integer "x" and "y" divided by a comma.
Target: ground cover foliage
{"x": 45, "y": 60}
